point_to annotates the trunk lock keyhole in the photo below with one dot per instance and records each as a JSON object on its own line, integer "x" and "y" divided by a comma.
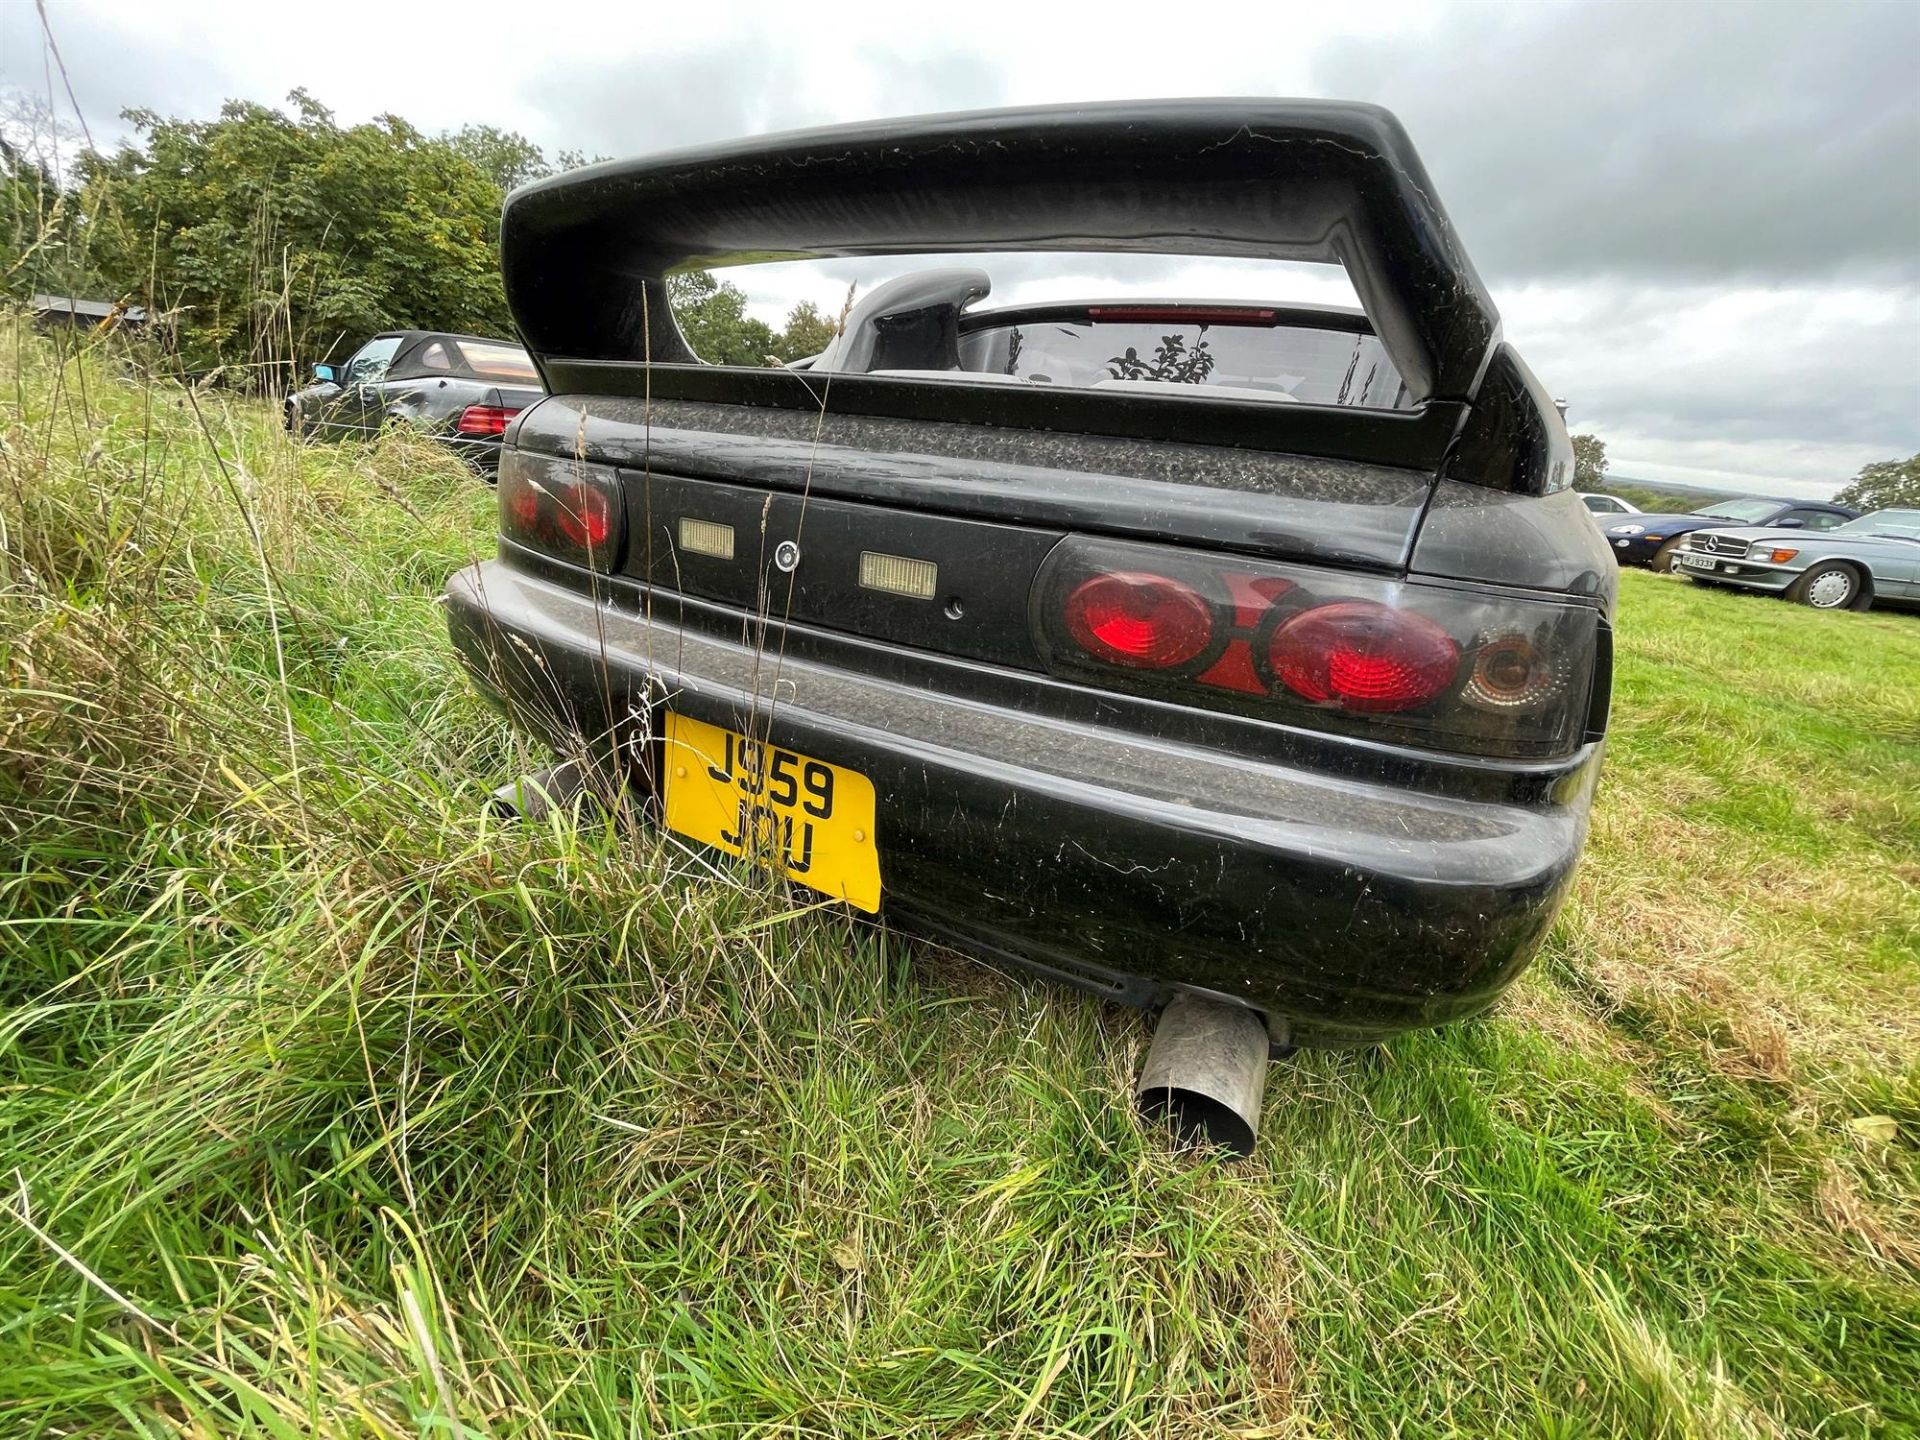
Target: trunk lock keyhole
{"x": 955, "y": 609}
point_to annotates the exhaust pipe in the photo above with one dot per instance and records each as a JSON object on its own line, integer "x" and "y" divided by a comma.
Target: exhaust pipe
{"x": 1205, "y": 1072}
{"x": 534, "y": 797}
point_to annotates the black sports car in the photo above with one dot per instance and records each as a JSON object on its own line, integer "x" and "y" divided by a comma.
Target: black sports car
{"x": 1650, "y": 539}
{"x": 1253, "y": 652}
{"x": 461, "y": 389}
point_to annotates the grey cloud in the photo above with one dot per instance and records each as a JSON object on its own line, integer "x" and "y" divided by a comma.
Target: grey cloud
{"x": 632, "y": 106}
{"x": 184, "y": 80}
{"x": 927, "y": 84}
{"x": 627, "y": 107}
{"x": 1754, "y": 141}
{"x": 1804, "y": 367}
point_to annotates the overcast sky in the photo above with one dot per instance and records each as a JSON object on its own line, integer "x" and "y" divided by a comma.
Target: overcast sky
{"x": 1701, "y": 223}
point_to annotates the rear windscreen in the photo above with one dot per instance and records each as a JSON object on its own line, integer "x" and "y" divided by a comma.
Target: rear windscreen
{"x": 506, "y": 363}
{"x": 1257, "y": 360}
{"x": 1147, "y": 324}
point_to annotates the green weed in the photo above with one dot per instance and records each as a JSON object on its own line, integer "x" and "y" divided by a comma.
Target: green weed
{"x": 329, "y": 1106}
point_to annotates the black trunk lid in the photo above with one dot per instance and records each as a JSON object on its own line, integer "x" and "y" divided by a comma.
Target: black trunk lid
{"x": 931, "y": 534}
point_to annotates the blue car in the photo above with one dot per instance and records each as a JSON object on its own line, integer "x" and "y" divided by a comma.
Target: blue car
{"x": 1650, "y": 540}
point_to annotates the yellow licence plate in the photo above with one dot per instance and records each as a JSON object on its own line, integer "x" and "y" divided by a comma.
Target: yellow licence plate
{"x": 811, "y": 819}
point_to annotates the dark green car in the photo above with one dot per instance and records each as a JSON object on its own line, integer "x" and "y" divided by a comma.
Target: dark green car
{"x": 461, "y": 389}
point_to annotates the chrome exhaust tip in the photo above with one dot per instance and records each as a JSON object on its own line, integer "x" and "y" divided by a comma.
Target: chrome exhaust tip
{"x": 534, "y": 797}
{"x": 1206, "y": 1072}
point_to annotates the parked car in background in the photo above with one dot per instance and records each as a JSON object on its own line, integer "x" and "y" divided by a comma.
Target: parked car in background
{"x": 1608, "y": 505}
{"x": 1874, "y": 560}
{"x": 461, "y": 389}
{"x": 1651, "y": 539}
{"x": 1273, "y": 670}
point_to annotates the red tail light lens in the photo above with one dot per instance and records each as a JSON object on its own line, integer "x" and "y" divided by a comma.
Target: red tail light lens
{"x": 522, "y": 507}
{"x": 561, "y": 508}
{"x": 1363, "y": 656}
{"x": 1187, "y": 314}
{"x": 1398, "y": 659}
{"x": 1143, "y": 621}
{"x": 482, "y": 420}
{"x": 584, "y": 515}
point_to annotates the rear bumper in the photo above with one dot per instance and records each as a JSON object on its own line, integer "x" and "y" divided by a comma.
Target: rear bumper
{"x": 1343, "y": 909}
{"x": 1748, "y": 574}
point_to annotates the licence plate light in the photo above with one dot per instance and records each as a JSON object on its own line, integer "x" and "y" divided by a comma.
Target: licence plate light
{"x": 706, "y": 537}
{"x": 899, "y": 575}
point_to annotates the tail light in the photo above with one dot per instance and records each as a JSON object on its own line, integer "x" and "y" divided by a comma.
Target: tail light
{"x": 563, "y": 508}
{"x": 1432, "y": 664}
{"x": 484, "y": 420}
{"x": 1136, "y": 619}
{"x": 1363, "y": 656}
{"x": 1183, "y": 314}
{"x": 1511, "y": 673}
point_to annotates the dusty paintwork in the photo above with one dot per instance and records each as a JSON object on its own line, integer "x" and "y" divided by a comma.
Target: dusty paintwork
{"x": 1210, "y": 823}
{"x": 1240, "y": 499}
{"x": 1348, "y": 907}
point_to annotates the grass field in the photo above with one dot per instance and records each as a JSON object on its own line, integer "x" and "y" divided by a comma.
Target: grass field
{"x": 328, "y": 1107}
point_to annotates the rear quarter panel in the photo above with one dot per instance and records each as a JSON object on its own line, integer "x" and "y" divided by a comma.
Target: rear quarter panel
{"x": 1535, "y": 542}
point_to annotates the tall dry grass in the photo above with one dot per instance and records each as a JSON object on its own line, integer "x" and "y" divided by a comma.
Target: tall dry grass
{"x": 329, "y": 1106}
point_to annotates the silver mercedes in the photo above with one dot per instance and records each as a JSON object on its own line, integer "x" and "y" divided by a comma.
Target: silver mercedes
{"x": 1874, "y": 560}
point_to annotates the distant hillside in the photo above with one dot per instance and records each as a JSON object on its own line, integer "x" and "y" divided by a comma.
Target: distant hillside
{"x": 1659, "y": 496}
{"x": 1641, "y": 483}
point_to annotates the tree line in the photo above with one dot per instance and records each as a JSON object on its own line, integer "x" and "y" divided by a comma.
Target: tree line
{"x": 264, "y": 238}
{"x": 267, "y": 238}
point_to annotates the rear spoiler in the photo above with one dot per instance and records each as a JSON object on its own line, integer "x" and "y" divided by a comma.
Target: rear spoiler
{"x": 586, "y": 254}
